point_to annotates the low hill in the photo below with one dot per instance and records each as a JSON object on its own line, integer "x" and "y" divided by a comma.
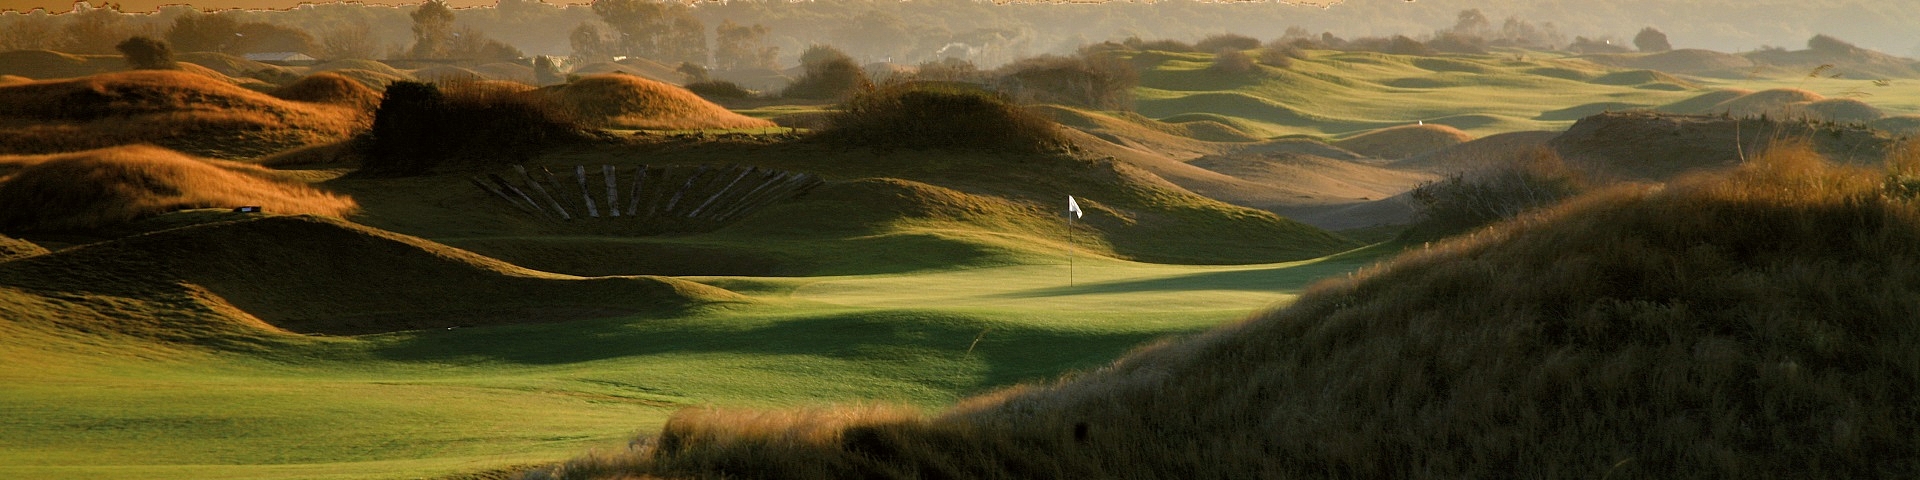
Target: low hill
{"x": 307, "y": 274}
{"x": 1635, "y": 332}
{"x": 178, "y": 110}
{"x": 14, "y": 248}
{"x": 627, "y": 101}
{"x": 1649, "y": 145}
{"x": 107, "y": 187}
{"x": 1686, "y": 61}
{"x": 1394, "y": 143}
{"x": 330, "y": 88}
{"x": 46, "y": 64}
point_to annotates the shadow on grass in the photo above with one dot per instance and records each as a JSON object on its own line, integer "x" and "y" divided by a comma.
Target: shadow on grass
{"x": 901, "y": 337}
{"x": 1279, "y": 279}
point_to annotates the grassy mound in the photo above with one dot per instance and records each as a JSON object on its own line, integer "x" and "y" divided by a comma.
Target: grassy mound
{"x": 381, "y": 69}
{"x": 42, "y": 64}
{"x": 447, "y": 74}
{"x": 100, "y": 188}
{"x": 183, "y": 111}
{"x": 1633, "y": 333}
{"x": 13, "y": 248}
{"x": 371, "y": 79}
{"x": 1642, "y": 78}
{"x": 1689, "y": 61}
{"x": 1404, "y": 141}
{"x": 627, "y": 101}
{"x": 1898, "y": 124}
{"x": 924, "y": 117}
{"x": 1777, "y": 102}
{"x": 506, "y": 72}
{"x": 309, "y": 274}
{"x": 331, "y": 88}
{"x": 1844, "y": 110}
{"x": 1704, "y": 103}
{"x": 1650, "y": 145}
{"x": 228, "y": 65}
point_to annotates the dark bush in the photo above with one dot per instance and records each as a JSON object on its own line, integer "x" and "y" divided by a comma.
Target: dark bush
{"x": 1395, "y": 45}
{"x": 947, "y": 117}
{"x": 1502, "y": 190}
{"x": 719, "y": 89}
{"x": 1162, "y": 45}
{"x": 146, "y": 53}
{"x": 1213, "y": 43}
{"x": 1454, "y": 42}
{"x": 420, "y": 126}
{"x": 830, "y": 74}
{"x": 1652, "y": 40}
{"x": 1231, "y": 62}
{"x": 1089, "y": 79}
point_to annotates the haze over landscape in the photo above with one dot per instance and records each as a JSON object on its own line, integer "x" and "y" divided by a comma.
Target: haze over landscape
{"x": 960, "y": 239}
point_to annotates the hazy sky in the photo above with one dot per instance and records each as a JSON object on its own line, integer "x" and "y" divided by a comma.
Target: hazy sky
{"x": 1724, "y": 25}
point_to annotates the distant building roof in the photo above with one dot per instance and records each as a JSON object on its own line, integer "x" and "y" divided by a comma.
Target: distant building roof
{"x": 281, "y": 57}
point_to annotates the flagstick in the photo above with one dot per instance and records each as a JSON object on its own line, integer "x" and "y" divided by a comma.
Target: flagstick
{"x": 1069, "y": 249}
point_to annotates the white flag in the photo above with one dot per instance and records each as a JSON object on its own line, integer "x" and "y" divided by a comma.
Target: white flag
{"x": 1073, "y": 207}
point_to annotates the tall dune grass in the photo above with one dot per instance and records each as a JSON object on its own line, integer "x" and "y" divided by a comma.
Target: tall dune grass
{"x": 1753, "y": 323}
{"x": 628, "y": 101}
{"x": 180, "y": 110}
{"x": 100, "y": 188}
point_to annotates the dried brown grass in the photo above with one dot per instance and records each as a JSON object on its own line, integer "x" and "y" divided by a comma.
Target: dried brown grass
{"x": 330, "y": 88}
{"x": 627, "y": 101}
{"x": 1757, "y": 323}
{"x": 105, "y": 187}
{"x": 179, "y": 110}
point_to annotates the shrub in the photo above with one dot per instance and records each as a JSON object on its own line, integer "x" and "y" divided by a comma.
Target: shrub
{"x": 146, "y": 53}
{"x": 1651, "y": 40}
{"x": 830, "y": 74}
{"x": 1280, "y": 55}
{"x": 1395, "y": 45}
{"x": 1214, "y": 43}
{"x": 1454, "y": 42}
{"x": 1499, "y": 191}
{"x": 420, "y": 126}
{"x": 921, "y": 116}
{"x": 1161, "y": 45}
{"x": 719, "y": 89}
{"x": 1089, "y": 79}
{"x": 1231, "y": 62}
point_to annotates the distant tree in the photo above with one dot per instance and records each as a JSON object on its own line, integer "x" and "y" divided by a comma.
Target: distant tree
{"x": 97, "y": 31}
{"x": 1217, "y": 42}
{"x": 1231, "y": 61}
{"x": 829, "y": 75}
{"x": 147, "y": 53}
{"x": 591, "y": 45}
{"x": 739, "y": 47}
{"x": 685, "y": 40}
{"x": 1472, "y": 22}
{"x": 257, "y": 37}
{"x": 352, "y": 40}
{"x": 32, "y": 31}
{"x": 663, "y": 31}
{"x": 1829, "y": 44}
{"x": 694, "y": 72}
{"x": 875, "y": 35}
{"x": 471, "y": 44}
{"x": 546, "y": 71}
{"x": 1456, "y": 42}
{"x": 198, "y": 32}
{"x": 1092, "y": 78}
{"x": 433, "y": 32}
{"x": 1595, "y": 45}
{"x": 1651, "y": 40}
{"x": 1280, "y": 53}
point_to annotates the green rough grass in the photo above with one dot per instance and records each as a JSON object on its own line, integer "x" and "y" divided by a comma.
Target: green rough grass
{"x": 1334, "y": 94}
{"x": 439, "y": 402}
